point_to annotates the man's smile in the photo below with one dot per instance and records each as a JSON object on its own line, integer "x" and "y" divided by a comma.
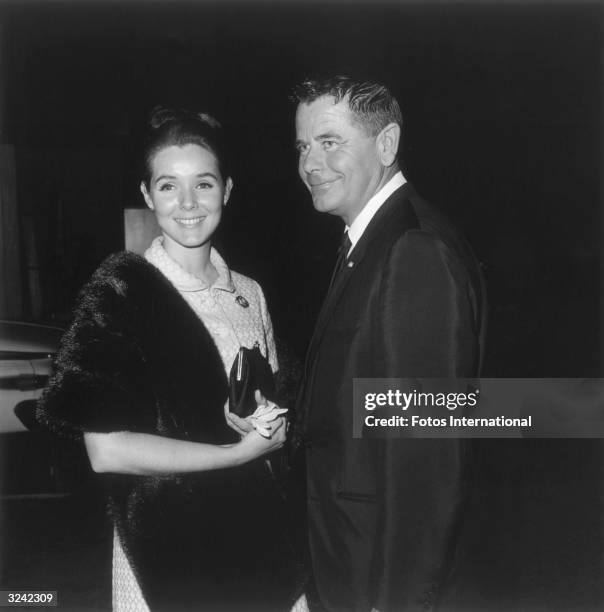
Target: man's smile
{"x": 320, "y": 185}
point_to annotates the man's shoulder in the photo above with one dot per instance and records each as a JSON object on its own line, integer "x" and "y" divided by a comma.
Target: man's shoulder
{"x": 410, "y": 219}
{"x": 431, "y": 218}
{"x": 435, "y": 244}
{"x": 440, "y": 229}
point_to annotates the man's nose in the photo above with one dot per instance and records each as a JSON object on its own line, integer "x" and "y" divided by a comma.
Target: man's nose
{"x": 313, "y": 160}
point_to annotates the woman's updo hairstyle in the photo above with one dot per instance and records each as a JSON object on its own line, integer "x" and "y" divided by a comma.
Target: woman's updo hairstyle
{"x": 179, "y": 127}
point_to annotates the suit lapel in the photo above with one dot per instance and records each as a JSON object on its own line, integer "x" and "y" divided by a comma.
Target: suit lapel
{"x": 396, "y": 206}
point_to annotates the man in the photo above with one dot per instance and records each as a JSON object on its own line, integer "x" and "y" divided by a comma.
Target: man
{"x": 406, "y": 301}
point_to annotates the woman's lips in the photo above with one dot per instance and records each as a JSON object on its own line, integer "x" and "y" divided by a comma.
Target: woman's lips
{"x": 190, "y": 222}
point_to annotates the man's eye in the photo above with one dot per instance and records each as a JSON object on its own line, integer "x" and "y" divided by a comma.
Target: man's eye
{"x": 301, "y": 148}
{"x": 329, "y": 144}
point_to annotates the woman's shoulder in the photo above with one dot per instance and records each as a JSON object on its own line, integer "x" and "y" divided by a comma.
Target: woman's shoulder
{"x": 120, "y": 283}
{"x": 228, "y": 276}
{"x": 122, "y": 264}
{"x": 121, "y": 271}
{"x": 241, "y": 281}
{"x": 246, "y": 285}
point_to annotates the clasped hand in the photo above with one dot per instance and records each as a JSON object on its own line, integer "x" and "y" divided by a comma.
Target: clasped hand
{"x": 265, "y": 430}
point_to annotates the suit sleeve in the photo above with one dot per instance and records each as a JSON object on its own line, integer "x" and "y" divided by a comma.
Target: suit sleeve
{"x": 427, "y": 330}
{"x": 99, "y": 380}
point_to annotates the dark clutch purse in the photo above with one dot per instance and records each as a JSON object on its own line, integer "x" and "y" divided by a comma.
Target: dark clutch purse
{"x": 250, "y": 371}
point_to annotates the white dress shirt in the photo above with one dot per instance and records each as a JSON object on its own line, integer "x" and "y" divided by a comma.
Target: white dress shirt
{"x": 359, "y": 225}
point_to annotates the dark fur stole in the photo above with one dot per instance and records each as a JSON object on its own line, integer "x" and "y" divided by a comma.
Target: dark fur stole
{"x": 137, "y": 358}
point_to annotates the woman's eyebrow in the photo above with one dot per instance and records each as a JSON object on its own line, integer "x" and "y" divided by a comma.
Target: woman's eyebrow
{"x": 163, "y": 177}
{"x": 172, "y": 177}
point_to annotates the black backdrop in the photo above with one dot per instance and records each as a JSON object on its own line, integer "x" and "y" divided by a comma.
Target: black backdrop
{"x": 503, "y": 111}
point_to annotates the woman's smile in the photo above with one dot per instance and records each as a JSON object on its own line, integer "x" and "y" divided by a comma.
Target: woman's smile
{"x": 189, "y": 222}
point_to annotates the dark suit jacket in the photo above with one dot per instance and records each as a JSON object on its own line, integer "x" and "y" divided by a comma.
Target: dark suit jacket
{"x": 383, "y": 514}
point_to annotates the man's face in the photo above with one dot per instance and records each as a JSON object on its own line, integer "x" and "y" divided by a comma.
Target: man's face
{"x": 338, "y": 159}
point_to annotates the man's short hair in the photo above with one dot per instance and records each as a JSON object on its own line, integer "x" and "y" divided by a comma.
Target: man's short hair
{"x": 370, "y": 102}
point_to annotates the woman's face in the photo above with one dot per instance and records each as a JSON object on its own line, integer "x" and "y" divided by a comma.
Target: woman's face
{"x": 187, "y": 193}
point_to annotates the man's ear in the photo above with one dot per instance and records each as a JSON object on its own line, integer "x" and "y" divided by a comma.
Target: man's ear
{"x": 387, "y": 143}
{"x": 148, "y": 200}
{"x": 227, "y": 190}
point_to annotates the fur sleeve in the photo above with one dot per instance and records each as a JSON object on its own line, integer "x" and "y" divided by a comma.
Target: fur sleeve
{"x": 100, "y": 382}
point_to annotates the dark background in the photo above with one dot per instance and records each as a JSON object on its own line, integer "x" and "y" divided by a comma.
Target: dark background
{"x": 503, "y": 111}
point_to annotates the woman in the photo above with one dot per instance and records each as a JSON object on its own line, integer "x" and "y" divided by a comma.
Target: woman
{"x": 141, "y": 377}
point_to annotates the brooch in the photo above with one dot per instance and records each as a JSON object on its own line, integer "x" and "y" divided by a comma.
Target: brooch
{"x": 242, "y": 301}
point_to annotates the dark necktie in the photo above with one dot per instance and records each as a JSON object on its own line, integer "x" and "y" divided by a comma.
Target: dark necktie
{"x": 341, "y": 258}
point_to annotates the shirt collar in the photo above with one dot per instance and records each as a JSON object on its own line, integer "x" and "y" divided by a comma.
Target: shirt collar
{"x": 180, "y": 278}
{"x": 359, "y": 225}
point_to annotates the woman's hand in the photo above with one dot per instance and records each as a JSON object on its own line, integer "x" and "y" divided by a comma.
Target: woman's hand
{"x": 241, "y": 426}
{"x": 244, "y": 426}
{"x": 253, "y": 445}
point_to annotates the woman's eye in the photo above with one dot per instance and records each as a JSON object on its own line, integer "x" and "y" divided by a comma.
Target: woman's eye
{"x": 204, "y": 185}
{"x": 166, "y": 187}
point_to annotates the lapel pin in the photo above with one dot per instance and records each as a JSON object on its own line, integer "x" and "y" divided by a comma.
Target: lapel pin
{"x": 242, "y": 301}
